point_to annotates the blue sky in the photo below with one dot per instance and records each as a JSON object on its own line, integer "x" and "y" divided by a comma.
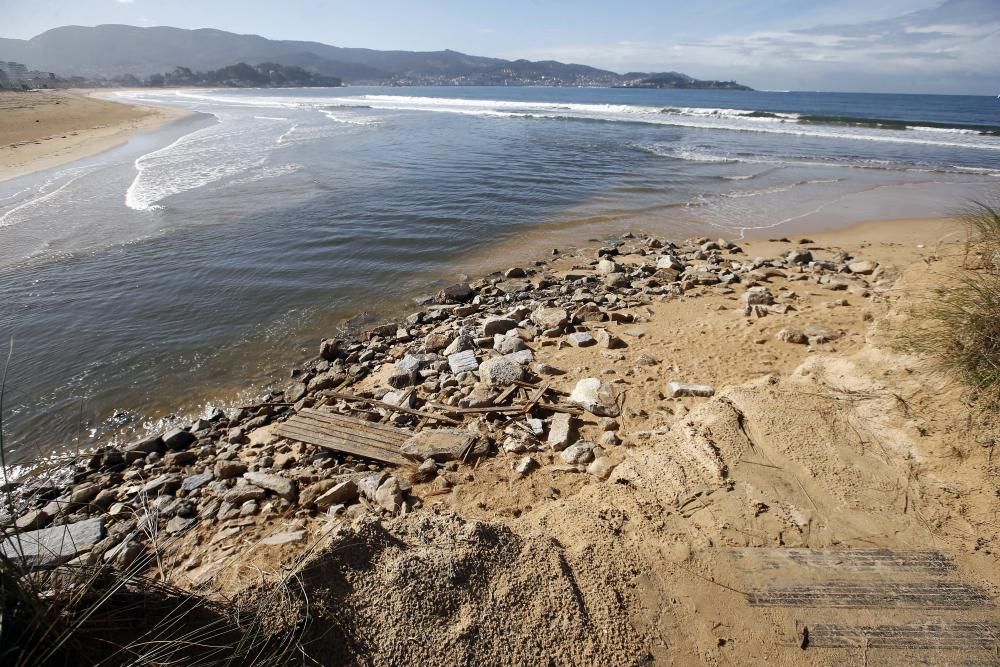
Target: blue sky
{"x": 902, "y": 45}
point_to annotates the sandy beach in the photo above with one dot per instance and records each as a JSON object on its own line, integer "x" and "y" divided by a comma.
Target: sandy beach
{"x": 634, "y": 525}
{"x": 46, "y": 128}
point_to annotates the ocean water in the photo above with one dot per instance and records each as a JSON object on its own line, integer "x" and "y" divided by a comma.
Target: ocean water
{"x": 196, "y": 264}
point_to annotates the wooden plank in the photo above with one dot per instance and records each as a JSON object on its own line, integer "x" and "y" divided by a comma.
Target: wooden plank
{"x": 346, "y": 433}
{"x": 335, "y": 418}
{"x": 390, "y": 406}
{"x": 340, "y": 444}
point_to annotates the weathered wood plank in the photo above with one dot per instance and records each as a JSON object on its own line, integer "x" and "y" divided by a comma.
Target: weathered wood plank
{"x": 346, "y": 434}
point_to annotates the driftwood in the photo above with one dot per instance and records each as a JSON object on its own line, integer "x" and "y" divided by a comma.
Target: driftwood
{"x": 347, "y": 434}
{"x": 389, "y": 406}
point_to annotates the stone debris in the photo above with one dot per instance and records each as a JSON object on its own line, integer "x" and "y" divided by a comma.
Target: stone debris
{"x": 455, "y": 380}
{"x": 679, "y": 389}
{"x": 596, "y": 397}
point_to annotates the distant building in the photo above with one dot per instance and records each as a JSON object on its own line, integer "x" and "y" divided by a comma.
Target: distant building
{"x": 16, "y": 72}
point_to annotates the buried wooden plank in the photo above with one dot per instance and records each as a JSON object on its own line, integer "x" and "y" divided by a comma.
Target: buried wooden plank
{"x": 878, "y": 595}
{"x": 938, "y": 634}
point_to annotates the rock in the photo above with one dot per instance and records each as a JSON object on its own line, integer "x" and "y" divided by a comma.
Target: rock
{"x": 525, "y": 466}
{"x": 368, "y": 485}
{"x": 817, "y": 335}
{"x": 181, "y": 458}
{"x": 459, "y": 293}
{"x": 578, "y": 453}
{"x": 441, "y": 444}
{"x": 426, "y": 471}
{"x": 606, "y": 266}
{"x": 33, "y": 520}
{"x": 282, "y": 486}
{"x": 678, "y": 389}
{"x": 463, "y": 362}
{"x": 296, "y": 391}
{"x": 862, "y": 267}
{"x": 799, "y": 257}
{"x": 508, "y": 344}
{"x": 758, "y": 296}
{"x": 596, "y": 397}
{"x": 82, "y": 494}
{"x": 178, "y": 439}
{"x": 610, "y": 439}
{"x": 550, "y": 318}
{"x": 166, "y": 484}
{"x": 389, "y": 496}
{"x": 328, "y": 348}
{"x": 522, "y": 358}
{"x": 402, "y": 378}
{"x": 229, "y": 469}
{"x": 669, "y": 262}
{"x": 581, "y": 339}
{"x": 241, "y": 493}
{"x": 436, "y": 342}
{"x": 514, "y": 272}
{"x": 344, "y": 493}
{"x": 55, "y": 545}
{"x": 560, "y": 431}
{"x": 501, "y": 372}
{"x": 195, "y": 482}
{"x": 326, "y": 380}
{"x": 284, "y": 538}
{"x": 608, "y": 340}
{"x": 140, "y": 448}
{"x": 601, "y": 467}
{"x": 460, "y": 344}
{"x": 178, "y": 524}
{"x": 790, "y": 336}
{"x": 498, "y": 325}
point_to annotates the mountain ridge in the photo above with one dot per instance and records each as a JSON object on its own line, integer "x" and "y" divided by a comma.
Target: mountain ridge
{"x": 115, "y": 50}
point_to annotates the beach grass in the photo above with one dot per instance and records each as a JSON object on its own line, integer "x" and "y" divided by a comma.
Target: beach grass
{"x": 957, "y": 326}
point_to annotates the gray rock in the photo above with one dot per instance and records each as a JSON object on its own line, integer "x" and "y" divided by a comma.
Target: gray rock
{"x": 508, "y": 344}
{"x": 178, "y": 524}
{"x": 55, "y": 545}
{"x": 441, "y": 444}
{"x": 581, "y": 339}
{"x": 550, "y": 318}
{"x": 596, "y": 397}
{"x": 758, "y": 296}
{"x": 608, "y": 340}
{"x": 328, "y": 349}
{"x": 601, "y": 467}
{"x": 241, "y": 493}
{"x": 678, "y": 389}
{"x": 560, "y": 431}
{"x": 460, "y": 344}
{"x": 799, "y": 257}
{"x": 178, "y": 439}
{"x": 459, "y": 293}
{"x": 284, "y": 538}
{"x": 389, "y": 496}
{"x": 669, "y": 262}
{"x": 578, "y": 453}
{"x": 498, "y": 325}
{"x": 525, "y": 466}
{"x": 340, "y": 494}
{"x": 281, "y": 486}
{"x": 463, "y": 362}
{"x": 368, "y": 485}
{"x": 862, "y": 267}
{"x": 229, "y": 469}
{"x": 165, "y": 484}
{"x": 197, "y": 481}
{"x": 501, "y": 371}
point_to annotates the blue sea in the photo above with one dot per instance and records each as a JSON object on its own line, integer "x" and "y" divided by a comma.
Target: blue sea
{"x": 197, "y": 264}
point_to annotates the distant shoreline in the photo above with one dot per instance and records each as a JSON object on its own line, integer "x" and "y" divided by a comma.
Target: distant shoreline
{"x": 48, "y": 128}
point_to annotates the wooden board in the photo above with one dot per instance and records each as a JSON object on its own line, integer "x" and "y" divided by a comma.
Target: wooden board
{"x": 346, "y": 434}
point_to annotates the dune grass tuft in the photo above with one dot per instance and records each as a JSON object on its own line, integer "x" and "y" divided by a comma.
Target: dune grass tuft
{"x": 958, "y": 324}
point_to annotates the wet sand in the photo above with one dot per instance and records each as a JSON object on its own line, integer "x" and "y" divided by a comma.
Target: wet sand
{"x": 46, "y": 128}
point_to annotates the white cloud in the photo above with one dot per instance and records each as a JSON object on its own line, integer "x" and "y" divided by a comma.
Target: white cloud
{"x": 951, "y": 47}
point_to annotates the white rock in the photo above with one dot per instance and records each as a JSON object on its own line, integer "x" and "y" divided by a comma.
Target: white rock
{"x": 678, "y": 389}
{"x": 596, "y": 397}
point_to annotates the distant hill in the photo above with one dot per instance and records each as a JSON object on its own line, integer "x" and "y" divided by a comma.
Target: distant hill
{"x": 114, "y": 51}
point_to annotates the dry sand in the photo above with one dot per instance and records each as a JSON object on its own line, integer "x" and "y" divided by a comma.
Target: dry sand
{"x": 46, "y": 128}
{"x": 836, "y": 446}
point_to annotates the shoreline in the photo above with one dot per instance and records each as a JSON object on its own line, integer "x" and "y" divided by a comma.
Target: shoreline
{"x": 776, "y": 344}
{"x": 72, "y": 125}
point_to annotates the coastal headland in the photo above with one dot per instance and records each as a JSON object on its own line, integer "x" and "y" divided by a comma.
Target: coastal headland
{"x": 645, "y": 451}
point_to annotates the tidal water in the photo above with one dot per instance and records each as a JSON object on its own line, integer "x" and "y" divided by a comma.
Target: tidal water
{"x": 196, "y": 264}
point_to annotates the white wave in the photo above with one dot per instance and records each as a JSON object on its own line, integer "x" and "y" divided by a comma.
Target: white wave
{"x": 209, "y": 155}
{"x": 18, "y": 212}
